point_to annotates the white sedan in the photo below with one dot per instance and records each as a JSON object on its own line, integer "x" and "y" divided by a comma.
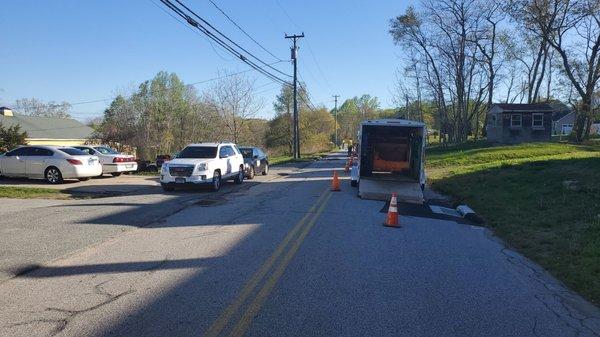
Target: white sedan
{"x": 51, "y": 163}
{"x": 112, "y": 161}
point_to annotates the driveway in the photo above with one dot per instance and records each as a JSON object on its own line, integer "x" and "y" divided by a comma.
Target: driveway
{"x": 290, "y": 258}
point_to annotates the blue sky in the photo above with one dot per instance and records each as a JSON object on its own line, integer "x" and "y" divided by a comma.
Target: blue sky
{"x": 77, "y": 51}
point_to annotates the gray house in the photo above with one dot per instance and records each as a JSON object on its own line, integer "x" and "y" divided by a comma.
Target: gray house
{"x": 518, "y": 123}
{"x": 563, "y": 119}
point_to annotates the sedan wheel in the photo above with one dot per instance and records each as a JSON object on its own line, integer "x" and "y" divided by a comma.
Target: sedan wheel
{"x": 53, "y": 175}
{"x": 252, "y": 173}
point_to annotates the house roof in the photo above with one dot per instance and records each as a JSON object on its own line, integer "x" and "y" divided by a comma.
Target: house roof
{"x": 558, "y": 115}
{"x": 536, "y": 107}
{"x": 49, "y": 128}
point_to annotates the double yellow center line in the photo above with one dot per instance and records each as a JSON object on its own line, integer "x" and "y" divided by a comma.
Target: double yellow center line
{"x": 288, "y": 248}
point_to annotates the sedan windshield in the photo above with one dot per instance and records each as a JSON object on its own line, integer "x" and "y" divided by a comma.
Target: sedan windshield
{"x": 198, "y": 152}
{"x": 246, "y": 152}
{"x": 72, "y": 151}
{"x": 106, "y": 150}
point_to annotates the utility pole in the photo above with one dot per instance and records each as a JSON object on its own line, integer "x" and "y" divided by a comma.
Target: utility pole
{"x": 335, "y": 118}
{"x": 296, "y": 127}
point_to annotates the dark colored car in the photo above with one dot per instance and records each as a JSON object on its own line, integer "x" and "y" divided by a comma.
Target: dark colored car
{"x": 255, "y": 161}
{"x": 161, "y": 159}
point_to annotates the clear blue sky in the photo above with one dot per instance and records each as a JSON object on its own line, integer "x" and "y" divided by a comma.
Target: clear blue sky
{"x": 75, "y": 51}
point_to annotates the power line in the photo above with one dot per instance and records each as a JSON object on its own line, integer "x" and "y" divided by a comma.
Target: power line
{"x": 191, "y": 29}
{"x": 190, "y": 84}
{"x": 236, "y": 50}
{"x": 243, "y": 31}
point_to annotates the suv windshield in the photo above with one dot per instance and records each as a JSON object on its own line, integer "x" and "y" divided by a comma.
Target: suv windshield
{"x": 198, "y": 152}
{"x": 246, "y": 152}
{"x": 105, "y": 150}
{"x": 72, "y": 151}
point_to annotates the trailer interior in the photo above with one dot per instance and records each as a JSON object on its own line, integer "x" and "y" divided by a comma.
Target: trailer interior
{"x": 390, "y": 153}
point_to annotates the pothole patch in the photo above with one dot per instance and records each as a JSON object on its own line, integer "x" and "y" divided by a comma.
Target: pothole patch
{"x": 209, "y": 202}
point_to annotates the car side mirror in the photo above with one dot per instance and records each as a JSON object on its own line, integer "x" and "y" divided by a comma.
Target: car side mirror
{"x": 255, "y": 156}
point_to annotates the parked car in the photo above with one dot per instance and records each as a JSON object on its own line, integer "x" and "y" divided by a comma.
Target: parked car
{"x": 51, "y": 163}
{"x": 161, "y": 159}
{"x": 205, "y": 163}
{"x": 113, "y": 162}
{"x": 255, "y": 161}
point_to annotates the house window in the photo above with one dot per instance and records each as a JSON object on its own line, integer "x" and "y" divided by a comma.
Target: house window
{"x": 516, "y": 121}
{"x": 537, "y": 121}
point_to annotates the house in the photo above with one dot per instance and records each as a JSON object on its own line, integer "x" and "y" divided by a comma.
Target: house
{"x": 563, "y": 119}
{"x": 518, "y": 123}
{"x": 47, "y": 130}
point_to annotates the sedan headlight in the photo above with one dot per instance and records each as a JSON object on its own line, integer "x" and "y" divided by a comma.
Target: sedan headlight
{"x": 202, "y": 167}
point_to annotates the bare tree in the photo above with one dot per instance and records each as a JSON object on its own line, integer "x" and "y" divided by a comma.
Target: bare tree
{"x": 35, "y": 107}
{"x": 233, "y": 98}
{"x": 572, "y": 28}
{"x": 448, "y": 36}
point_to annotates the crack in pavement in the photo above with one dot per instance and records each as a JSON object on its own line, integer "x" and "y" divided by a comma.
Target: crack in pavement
{"x": 554, "y": 291}
{"x": 62, "y": 323}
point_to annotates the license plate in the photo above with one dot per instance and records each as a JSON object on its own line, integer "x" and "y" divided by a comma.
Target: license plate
{"x": 180, "y": 180}
{"x": 129, "y": 166}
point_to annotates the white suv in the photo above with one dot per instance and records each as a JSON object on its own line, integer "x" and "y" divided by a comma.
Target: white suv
{"x": 204, "y": 163}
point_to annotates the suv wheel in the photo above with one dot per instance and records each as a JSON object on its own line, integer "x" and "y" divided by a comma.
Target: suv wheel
{"x": 252, "y": 173}
{"x": 240, "y": 176}
{"x": 266, "y": 169}
{"x": 53, "y": 175}
{"x": 216, "y": 184}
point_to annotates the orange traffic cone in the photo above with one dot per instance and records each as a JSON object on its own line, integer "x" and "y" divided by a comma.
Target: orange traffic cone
{"x": 392, "y": 216}
{"x": 335, "y": 182}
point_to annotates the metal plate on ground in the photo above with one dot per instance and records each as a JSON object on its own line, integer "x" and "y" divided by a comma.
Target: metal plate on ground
{"x": 445, "y": 211}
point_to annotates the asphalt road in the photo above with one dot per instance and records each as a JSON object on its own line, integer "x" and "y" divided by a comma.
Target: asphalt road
{"x": 35, "y": 231}
{"x": 288, "y": 257}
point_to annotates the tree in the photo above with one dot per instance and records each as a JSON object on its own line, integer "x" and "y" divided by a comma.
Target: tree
{"x": 572, "y": 28}
{"x": 280, "y": 133}
{"x": 11, "y": 137}
{"x": 445, "y": 36}
{"x": 35, "y": 107}
{"x": 233, "y": 99}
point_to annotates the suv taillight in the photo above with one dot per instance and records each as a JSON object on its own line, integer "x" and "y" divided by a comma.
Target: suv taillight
{"x": 74, "y": 162}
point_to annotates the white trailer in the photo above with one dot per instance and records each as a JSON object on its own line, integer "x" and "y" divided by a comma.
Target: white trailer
{"x": 390, "y": 159}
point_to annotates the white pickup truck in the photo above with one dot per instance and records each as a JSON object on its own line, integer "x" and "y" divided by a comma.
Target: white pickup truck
{"x": 204, "y": 163}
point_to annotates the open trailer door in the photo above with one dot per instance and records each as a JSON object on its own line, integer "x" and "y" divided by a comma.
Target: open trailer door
{"x": 391, "y": 159}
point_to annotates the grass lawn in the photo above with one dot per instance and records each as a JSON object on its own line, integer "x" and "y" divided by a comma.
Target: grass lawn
{"x": 288, "y": 159}
{"x": 543, "y": 199}
{"x": 31, "y": 193}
